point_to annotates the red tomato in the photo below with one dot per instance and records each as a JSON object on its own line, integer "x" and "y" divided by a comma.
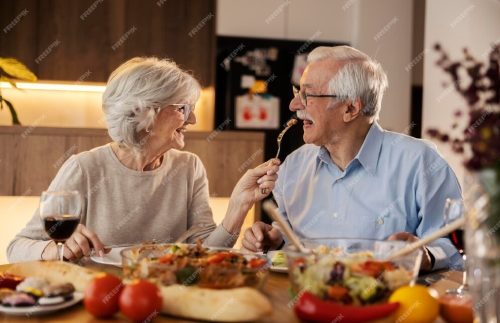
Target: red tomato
{"x": 373, "y": 268}
{"x": 218, "y": 257}
{"x": 102, "y": 295}
{"x": 167, "y": 259}
{"x": 256, "y": 263}
{"x": 140, "y": 301}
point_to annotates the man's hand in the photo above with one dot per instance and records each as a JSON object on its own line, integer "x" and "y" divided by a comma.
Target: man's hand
{"x": 406, "y": 236}
{"x": 262, "y": 236}
{"x": 77, "y": 246}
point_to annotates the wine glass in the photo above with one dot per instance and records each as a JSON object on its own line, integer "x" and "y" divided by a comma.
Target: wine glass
{"x": 60, "y": 212}
{"x": 453, "y": 210}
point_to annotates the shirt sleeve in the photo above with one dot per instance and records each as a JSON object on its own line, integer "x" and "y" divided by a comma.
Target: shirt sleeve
{"x": 435, "y": 183}
{"x": 30, "y": 243}
{"x": 200, "y": 213}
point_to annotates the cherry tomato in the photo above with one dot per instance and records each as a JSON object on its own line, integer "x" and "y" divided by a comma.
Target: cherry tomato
{"x": 141, "y": 300}
{"x": 102, "y": 295}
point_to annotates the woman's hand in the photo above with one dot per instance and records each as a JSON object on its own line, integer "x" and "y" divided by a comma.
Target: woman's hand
{"x": 256, "y": 183}
{"x": 78, "y": 245}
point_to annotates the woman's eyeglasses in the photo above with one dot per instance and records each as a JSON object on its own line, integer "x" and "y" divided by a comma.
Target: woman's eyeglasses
{"x": 185, "y": 108}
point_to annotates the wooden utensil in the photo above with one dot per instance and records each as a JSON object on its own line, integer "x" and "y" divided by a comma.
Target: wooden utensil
{"x": 436, "y": 235}
{"x": 275, "y": 214}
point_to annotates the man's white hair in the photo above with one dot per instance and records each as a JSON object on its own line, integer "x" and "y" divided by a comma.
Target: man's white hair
{"x": 135, "y": 91}
{"x": 360, "y": 77}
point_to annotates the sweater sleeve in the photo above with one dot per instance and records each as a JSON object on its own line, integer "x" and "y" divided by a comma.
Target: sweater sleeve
{"x": 30, "y": 243}
{"x": 200, "y": 213}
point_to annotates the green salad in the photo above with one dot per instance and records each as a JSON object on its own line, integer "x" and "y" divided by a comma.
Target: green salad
{"x": 279, "y": 259}
{"x": 357, "y": 279}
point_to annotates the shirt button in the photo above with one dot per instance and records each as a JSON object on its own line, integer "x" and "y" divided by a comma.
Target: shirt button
{"x": 335, "y": 215}
{"x": 380, "y": 221}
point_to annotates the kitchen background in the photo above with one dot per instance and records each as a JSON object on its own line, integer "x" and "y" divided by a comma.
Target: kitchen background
{"x": 72, "y": 46}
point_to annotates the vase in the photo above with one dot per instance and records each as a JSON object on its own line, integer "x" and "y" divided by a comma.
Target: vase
{"x": 482, "y": 237}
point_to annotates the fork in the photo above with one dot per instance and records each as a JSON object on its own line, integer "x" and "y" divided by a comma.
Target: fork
{"x": 290, "y": 123}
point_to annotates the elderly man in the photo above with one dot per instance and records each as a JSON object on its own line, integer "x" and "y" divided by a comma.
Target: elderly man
{"x": 353, "y": 179}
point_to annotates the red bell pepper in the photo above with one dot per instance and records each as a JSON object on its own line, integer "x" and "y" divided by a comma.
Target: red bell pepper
{"x": 313, "y": 309}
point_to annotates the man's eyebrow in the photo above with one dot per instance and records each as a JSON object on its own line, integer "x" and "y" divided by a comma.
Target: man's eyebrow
{"x": 306, "y": 85}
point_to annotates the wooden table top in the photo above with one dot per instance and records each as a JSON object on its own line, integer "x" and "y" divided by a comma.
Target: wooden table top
{"x": 276, "y": 289}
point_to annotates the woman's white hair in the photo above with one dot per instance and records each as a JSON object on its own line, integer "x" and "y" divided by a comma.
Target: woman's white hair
{"x": 359, "y": 77}
{"x": 137, "y": 89}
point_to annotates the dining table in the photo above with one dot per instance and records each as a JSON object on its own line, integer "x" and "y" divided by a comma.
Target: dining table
{"x": 276, "y": 288}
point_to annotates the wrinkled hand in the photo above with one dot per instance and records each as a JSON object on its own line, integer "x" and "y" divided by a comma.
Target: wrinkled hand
{"x": 256, "y": 183}
{"x": 78, "y": 245}
{"x": 406, "y": 236}
{"x": 261, "y": 236}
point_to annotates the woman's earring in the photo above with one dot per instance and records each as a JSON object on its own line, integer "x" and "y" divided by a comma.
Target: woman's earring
{"x": 148, "y": 130}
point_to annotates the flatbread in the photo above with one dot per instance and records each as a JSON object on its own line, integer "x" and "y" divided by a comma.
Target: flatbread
{"x": 224, "y": 305}
{"x": 56, "y": 272}
{"x": 242, "y": 304}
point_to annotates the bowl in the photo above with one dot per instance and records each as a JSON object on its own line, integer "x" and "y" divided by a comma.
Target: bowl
{"x": 351, "y": 271}
{"x": 193, "y": 264}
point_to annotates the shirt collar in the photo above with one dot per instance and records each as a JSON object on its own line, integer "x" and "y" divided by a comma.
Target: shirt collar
{"x": 368, "y": 154}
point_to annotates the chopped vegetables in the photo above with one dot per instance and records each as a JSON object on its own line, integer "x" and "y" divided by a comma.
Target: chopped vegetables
{"x": 194, "y": 264}
{"x": 357, "y": 279}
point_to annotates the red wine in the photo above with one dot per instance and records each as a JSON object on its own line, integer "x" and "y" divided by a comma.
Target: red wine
{"x": 60, "y": 227}
{"x": 457, "y": 238}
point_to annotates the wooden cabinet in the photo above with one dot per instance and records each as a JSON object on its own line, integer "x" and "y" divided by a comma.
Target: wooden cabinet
{"x": 31, "y": 156}
{"x": 86, "y": 40}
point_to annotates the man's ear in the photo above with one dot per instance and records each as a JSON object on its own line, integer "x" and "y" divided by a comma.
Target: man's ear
{"x": 352, "y": 110}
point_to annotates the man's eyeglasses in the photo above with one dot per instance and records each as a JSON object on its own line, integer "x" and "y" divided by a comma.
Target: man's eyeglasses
{"x": 303, "y": 95}
{"x": 185, "y": 108}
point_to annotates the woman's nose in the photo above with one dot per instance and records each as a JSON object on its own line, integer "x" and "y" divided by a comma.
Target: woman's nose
{"x": 191, "y": 118}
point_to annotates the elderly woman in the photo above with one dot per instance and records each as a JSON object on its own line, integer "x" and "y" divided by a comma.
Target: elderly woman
{"x": 141, "y": 187}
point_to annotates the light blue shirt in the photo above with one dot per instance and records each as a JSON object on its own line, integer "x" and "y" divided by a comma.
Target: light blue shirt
{"x": 395, "y": 183}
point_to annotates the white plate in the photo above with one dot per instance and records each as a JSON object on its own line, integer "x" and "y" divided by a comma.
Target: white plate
{"x": 41, "y": 309}
{"x": 111, "y": 258}
{"x": 276, "y": 269}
